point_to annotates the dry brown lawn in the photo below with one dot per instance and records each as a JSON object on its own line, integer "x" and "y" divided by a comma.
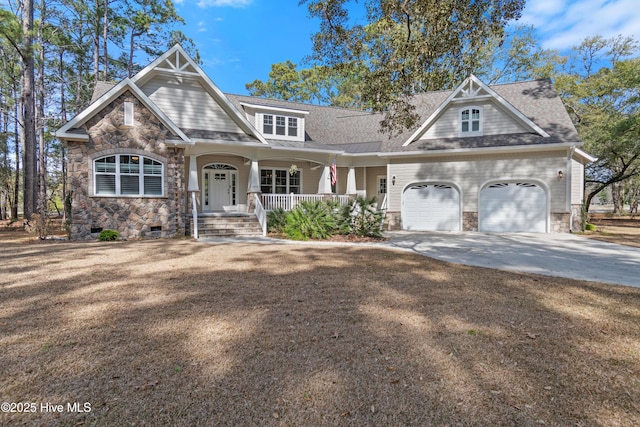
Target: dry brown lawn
{"x": 181, "y": 333}
{"x": 623, "y": 230}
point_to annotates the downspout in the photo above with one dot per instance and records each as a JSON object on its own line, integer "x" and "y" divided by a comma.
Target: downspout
{"x": 568, "y": 189}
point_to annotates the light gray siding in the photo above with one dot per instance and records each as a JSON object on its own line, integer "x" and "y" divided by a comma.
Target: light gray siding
{"x": 470, "y": 173}
{"x": 577, "y": 182}
{"x": 494, "y": 122}
{"x": 189, "y": 105}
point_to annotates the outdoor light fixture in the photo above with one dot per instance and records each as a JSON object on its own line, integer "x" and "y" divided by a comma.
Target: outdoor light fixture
{"x": 560, "y": 174}
{"x": 393, "y": 180}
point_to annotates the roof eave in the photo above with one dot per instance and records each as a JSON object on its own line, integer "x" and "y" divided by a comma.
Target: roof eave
{"x": 480, "y": 150}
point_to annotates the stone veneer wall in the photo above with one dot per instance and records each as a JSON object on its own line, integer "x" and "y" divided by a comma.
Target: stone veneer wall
{"x": 132, "y": 217}
{"x": 559, "y": 222}
{"x": 470, "y": 221}
{"x": 576, "y": 218}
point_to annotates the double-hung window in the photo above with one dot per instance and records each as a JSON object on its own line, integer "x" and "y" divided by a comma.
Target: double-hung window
{"x": 471, "y": 121}
{"x": 280, "y": 181}
{"x": 279, "y": 125}
{"x": 128, "y": 175}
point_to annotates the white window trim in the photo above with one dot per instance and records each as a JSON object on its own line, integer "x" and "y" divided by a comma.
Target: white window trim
{"x": 480, "y": 130}
{"x": 299, "y": 128}
{"x": 288, "y": 179}
{"x": 118, "y": 174}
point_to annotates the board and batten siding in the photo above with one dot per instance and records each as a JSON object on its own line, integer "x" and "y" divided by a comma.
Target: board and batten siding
{"x": 189, "y": 105}
{"x": 471, "y": 174}
{"x": 494, "y": 122}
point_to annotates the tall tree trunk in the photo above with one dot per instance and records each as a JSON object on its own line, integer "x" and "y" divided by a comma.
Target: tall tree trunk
{"x": 131, "y": 49}
{"x": 96, "y": 44}
{"x": 42, "y": 144}
{"x": 28, "y": 112}
{"x": 4, "y": 206}
{"x": 16, "y": 138}
{"x": 63, "y": 116}
{"x": 105, "y": 26}
{"x": 618, "y": 199}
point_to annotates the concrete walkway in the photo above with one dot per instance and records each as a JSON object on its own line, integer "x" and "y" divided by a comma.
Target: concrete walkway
{"x": 560, "y": 255}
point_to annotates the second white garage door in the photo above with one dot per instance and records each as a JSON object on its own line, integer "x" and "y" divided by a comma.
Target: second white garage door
{"x": 513, "y": 207}
{"x": 431, "y": 207}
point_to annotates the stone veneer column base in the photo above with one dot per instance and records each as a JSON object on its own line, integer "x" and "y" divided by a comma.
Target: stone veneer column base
{"x": 392, "y": 221}
{"x": 469, "y": 221}
{"x": 560, "y": 222}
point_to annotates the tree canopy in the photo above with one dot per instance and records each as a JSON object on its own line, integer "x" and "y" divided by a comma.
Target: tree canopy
{"x": 407, "y": 47}
{"x": 600, "y": 86}
{"x": 52, "y": 54}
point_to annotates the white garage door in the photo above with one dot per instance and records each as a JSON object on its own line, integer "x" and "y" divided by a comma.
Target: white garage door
{"x": 431, "y": 207}
{"x": 513, "y": 207}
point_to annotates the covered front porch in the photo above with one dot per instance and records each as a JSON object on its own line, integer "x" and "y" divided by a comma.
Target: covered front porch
{"x": 246, "y": 183}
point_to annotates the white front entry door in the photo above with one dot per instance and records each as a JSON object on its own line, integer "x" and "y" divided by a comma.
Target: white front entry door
{"x": 217, "y": 192}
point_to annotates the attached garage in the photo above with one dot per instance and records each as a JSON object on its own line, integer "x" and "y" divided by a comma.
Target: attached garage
{"x": 431, "y": 207}
{"x": 513, "y": 207}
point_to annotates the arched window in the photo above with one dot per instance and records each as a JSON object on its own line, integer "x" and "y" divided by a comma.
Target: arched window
{"x": 470, "y": 121}
{"x": 128, "y": 175}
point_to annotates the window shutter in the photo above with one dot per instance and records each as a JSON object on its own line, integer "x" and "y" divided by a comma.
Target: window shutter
{"x": 128, "y": 114}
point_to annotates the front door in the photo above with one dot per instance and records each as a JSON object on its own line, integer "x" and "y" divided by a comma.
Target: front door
{"x": 219, "y": 189}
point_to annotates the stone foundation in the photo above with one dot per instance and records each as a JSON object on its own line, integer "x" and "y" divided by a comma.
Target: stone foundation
{"x": 560, "y": 223}
{"x": 132, "y": 217}
{"x": 392, "y": 221}
{"x": 469, "y": 221}
{"x": 576, "y": 218}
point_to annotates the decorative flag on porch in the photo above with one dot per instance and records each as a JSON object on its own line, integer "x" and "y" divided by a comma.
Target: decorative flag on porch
{"x": 334, "y": 172}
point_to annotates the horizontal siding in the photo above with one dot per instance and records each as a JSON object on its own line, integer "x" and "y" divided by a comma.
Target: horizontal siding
{"x": 189, "y": 105}
{"x": 494, "y": 122}
{"x": 577, "y": 177}
{"x": 372, "y": 180}
{"x": 470, "y": 175}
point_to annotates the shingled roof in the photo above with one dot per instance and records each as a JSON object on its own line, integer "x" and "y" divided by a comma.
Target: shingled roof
{"x": 358, "y": 132}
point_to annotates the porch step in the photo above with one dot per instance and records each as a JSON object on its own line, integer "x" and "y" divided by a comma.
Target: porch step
{"x": 229, "y": 225}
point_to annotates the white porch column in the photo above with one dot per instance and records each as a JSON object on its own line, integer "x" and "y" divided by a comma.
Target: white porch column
{"x": 324, "y": 185}
{"x": 193, "y": 174}
{"x": 254, "y": 178}
{"x": 194, "y": 188}
{"x": 351, "y": 181}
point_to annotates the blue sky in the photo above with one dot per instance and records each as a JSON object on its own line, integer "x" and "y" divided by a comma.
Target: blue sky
{"x": 240, "y": 39}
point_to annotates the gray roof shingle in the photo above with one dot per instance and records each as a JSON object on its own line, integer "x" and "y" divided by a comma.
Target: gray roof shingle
{"x": 359, "y": 131}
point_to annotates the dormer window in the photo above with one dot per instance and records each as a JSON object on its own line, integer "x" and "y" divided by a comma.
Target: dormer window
{"x": 284, "y": 125}
{"x": 277, "y": 122}
{"x": 470, "y": 121}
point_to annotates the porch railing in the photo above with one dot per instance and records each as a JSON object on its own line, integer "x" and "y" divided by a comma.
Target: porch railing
{"x": 290, "y": 201}
{"x": 261, "y": 214}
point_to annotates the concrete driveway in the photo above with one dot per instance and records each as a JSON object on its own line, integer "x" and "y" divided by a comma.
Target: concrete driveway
{"x": 560, "y": 255}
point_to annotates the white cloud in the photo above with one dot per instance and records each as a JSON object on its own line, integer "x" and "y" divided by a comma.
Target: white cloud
{"x": 562, "y": 24}
{"x": 220, "y": 3}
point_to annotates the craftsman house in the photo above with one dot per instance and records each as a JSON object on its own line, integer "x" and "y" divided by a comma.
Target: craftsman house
{"x": 166, "y": 153}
